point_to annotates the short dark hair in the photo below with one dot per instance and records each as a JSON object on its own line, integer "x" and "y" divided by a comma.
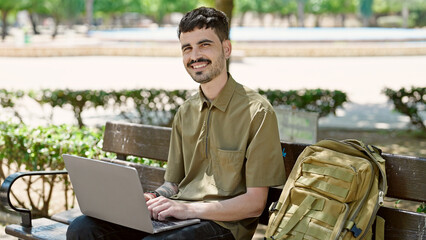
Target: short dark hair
{"x": 205, "y": 17}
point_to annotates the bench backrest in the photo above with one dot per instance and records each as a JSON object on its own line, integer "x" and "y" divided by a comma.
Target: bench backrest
{"x": 406, "y": 175}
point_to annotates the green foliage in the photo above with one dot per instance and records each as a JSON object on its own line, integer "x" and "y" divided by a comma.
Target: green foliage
{"x": 410, "y": 102}
{"x": 366, "y": 8}
{"x": 154, "y": 106}
{"x": 41, "y": 148}
{"x": 331, "y": 6}
{"x": 6, "y": 7}
{"x": 8, "y": 99}
{"x": 151, "y": 106}
{"x": 421, "y": 208}
{"x": 396, "y": 203}
{"x": 418, "y": 17}
{"x": 77, "y": 99}
{"x": 158, "y": 106}
{"x": 312, "y": 100}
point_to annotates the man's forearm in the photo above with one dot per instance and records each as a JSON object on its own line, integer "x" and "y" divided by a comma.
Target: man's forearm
{"x": 247, "y": 205}
{"x": 250, "y": 204}
{"x": 168, "y": 189}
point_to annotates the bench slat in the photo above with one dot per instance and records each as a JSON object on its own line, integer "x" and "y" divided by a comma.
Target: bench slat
{"x": 137, "y": 140}
{"x": 67, "y": 216}
{"x": 153, "y": 177}
{"x": 406, "y": 177}
{"x": 43, "y": 228}
{"x": 403, "y": 225}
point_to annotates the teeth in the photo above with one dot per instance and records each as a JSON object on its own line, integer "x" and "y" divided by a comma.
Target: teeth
{"x": 199, "y": 66}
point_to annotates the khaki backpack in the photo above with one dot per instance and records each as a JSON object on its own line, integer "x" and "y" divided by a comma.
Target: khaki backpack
{"x": 333, "y": 192}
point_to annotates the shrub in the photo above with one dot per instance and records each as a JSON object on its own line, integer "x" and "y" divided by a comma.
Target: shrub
{"x": 151, "y": 106}
{"x": 410, "y": 102}
{"x": 312, "y": 100}
{"x": 8, "y": 99}
{"x": 41, "y": 148}
{"x": 158, "y": 106}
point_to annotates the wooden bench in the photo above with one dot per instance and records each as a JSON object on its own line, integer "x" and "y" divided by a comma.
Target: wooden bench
{"x": 406, "y": 180}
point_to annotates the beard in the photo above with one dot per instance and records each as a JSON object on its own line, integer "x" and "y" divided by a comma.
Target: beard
{"x": 207, "y": 75}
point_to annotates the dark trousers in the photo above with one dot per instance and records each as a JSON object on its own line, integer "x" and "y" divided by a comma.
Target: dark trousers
{"x": 86, "y": 228}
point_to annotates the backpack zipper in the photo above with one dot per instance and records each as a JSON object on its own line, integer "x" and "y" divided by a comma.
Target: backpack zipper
{"x": 376, "y": 208}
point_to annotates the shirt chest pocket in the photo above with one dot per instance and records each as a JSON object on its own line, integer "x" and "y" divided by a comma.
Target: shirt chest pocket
{"x": 228, "y": 170}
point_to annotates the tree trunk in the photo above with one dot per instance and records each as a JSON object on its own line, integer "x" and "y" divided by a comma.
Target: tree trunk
{"x": 226, "y": 6}
{"x": 366, "y": 8}
{"x": 342, "y": 19}
{"x": 55, "y": 30}
{"x": 89, "y": 14}
{"x": 241, "y": 23}
{"x": 4, "y": 14}
{"x": 300, "y": 13}
{"x": 405, "y": 13}
{"x": 318, "y": 20}
{"x": 33, "y": 19}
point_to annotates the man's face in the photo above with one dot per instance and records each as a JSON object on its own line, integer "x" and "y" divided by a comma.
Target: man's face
{"x": 204, "y": 55}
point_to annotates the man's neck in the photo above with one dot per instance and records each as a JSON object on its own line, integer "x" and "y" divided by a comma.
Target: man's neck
{"x": 212, "y": 89}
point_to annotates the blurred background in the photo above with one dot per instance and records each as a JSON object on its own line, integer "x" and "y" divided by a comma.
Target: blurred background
{"x": 331, "y": 68}
{"x": 350, "y": 62}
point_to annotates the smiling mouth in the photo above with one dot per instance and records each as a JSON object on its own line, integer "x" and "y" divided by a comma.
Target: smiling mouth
{"x": 198, "y": 64}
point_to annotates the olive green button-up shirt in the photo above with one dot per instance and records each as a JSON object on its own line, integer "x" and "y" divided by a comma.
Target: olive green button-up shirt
{"x": 219, "y": 149}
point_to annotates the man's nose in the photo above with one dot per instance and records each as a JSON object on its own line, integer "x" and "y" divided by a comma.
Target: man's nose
{"x": 195, "y": 54}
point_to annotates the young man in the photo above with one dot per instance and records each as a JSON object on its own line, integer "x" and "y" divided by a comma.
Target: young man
{"x": 224, "y": 150}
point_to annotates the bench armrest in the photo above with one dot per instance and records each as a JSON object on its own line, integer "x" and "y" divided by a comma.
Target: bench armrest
{"x": 6, "y": 188}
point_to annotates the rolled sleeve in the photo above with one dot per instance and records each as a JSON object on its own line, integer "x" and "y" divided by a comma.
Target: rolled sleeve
{"x": 175, "y": 163}
{"x": 265, "y": 165}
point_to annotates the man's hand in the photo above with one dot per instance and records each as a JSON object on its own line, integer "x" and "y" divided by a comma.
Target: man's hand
{"x": 148, "y": 196}
{"x": 162, "y": 207}
{"x": 247, "y": 205}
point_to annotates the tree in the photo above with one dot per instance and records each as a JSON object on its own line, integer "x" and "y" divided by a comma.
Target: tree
{"x": 158, "y": 9}
{"x": 89, "y": 13}
{"x": 288, "y": 8}
{"x": 301, "y": 13}
{"x": 366, "y": 9}
{"x": 334, "y": 7}
{"x": 111, "y": 8}
{"x": 6, "y": 7}
{"x": 242, "y": 7}
{"x": 34, "y": 8}
{"x": 265, "y": 7}
{"x": 226, "y": 6}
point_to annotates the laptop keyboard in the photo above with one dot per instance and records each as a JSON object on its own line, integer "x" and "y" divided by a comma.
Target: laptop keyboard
{"x": 162, "y": 224}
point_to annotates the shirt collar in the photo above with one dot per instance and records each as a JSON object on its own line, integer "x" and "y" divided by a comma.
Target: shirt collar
{"x": 224, "y": 97}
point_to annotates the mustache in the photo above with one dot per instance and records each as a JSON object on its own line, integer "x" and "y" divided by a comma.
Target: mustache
{"x": 198, "y": 60}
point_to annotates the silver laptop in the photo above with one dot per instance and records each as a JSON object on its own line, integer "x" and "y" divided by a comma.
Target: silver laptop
{"x": 114, "y": 193}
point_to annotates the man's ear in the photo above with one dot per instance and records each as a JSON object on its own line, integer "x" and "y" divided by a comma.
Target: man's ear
{"x": 227, "y": 48}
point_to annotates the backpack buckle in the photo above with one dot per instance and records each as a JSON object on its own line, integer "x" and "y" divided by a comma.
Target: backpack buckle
{"x": 355, "y": 231}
